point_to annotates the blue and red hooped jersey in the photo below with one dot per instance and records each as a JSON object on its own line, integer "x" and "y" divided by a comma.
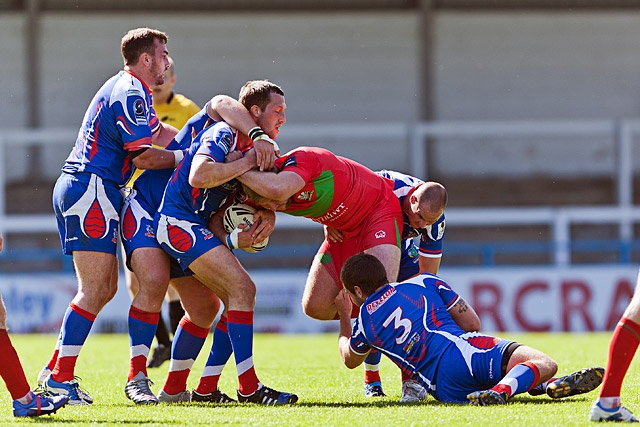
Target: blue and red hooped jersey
{"x": 409, "y": 322}
{"x": 119, "y": 120}
{"x": 152, "y": 182}
{"x": 183, "y": 201}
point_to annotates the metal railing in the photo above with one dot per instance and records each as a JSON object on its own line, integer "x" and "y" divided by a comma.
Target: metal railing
{"x": 415, "y": 138}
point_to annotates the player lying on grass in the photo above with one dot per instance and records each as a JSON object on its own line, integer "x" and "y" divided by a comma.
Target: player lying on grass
{"x": 423, "y": 205}
{"x": 411, "y": 324}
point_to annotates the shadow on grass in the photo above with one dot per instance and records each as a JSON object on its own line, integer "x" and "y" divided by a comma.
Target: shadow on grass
{"x": 382, "y": 403}
{"x": 431, "y": 402}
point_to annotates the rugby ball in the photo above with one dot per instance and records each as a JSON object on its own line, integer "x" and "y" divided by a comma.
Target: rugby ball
{"x": 240, "y": 213}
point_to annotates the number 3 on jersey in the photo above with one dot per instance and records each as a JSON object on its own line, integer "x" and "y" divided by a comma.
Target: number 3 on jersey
{"x": 399, "y": 322}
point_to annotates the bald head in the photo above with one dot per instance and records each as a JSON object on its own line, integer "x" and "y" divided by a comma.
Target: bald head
{"x": 426, "y": 204}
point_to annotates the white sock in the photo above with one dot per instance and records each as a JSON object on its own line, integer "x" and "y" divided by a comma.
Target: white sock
{"x": 609, "y": 402}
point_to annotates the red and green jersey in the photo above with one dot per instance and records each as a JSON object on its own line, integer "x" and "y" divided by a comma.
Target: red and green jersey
{"x": 338, "y": 192}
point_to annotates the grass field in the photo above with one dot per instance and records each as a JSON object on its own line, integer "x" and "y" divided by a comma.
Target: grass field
{"x": 309, "y": 365}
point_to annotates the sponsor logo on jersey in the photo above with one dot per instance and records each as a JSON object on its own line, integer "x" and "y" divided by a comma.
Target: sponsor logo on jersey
{"x": 149, "y": 231}
{"x": 138, "y": 111}
{"x": 138, "y": 107}
{"x": 305, "y": 195}
{"x": 440, "y": 230}
{"x": 374, "y": 305}
{"x": 380, "y": 234}
{"x": 412, "y": 251}
{"x": 206, "y": 233}
{"x": 413, "y": 341}
{"x": 225, "y": 142}
{"x": 340, "y": 210}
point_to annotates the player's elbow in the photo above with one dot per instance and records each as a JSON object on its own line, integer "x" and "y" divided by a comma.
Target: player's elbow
{"x": 199, "y": 180}
{"x": 350, "y": 359}
{"x": 279, "y": 194}
{"x": 220, "y": 101}
{"x": 196, "y": 181}
{"x": 144, "y": 161}
{"x": 471, "y": 325}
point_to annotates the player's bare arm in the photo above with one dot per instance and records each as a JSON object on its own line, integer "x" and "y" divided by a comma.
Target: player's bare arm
{"x": 349, "y": 358}
{"x": 429, "y": 265}
{"x": 276, "y": 186}
{"x": 164, "y": 135}
{"x": 206, "y": 173}
{"x": 155, "y": 158}
{"x": 465, "y": 316}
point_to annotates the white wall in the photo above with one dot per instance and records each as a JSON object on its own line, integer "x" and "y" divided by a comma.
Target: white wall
{"x": 364, "y": 68}
{"x": 342, "y": 67}
{"x": 12, "y": 71}
{"x": 537, "y": 65}
{"x": 540, "y": 65}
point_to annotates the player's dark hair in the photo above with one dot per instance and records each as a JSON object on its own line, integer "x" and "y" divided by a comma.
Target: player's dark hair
{"x": 139, "y": 41}
{"x": 258, "y": 92}
{"x": 365, "y": 271}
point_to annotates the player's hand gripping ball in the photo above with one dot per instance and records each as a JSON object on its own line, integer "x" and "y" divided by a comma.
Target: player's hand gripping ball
{"x": 237, "y": 214}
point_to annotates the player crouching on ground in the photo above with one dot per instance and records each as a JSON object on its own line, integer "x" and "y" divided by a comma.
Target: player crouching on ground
{"x": 410, "y": 323}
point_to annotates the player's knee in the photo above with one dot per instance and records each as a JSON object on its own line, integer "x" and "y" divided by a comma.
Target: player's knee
{"x": 111, "y": 294}
{"x": 201, "y": 318}
{"x": 318, "y": 312}
{"x": 243, "y": 291}
{"x": 547, "y": 367}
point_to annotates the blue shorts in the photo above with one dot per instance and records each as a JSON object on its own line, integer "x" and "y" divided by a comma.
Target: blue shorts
{"x": 137, "y": 230}
{"x": 488, "y": 358}
{"x": 88, "y": 213}
{"x": 184, "y": 240}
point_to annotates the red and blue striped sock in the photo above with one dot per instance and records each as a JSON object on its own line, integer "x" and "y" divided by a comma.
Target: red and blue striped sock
{"x": 519, "y": 379}
{"x": 187, "y": 343}
{"x": 76, "y": 326}
{"x": 220, "y": 353}
{"x": 142, "y": 328}
{"x": 240, "y": 324}
{"x": 372, "y": 367}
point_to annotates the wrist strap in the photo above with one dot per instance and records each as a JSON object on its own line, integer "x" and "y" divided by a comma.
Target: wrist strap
{"x": 178, "y": 156}
{"x": 255, "y": 133}
{"x": 232, "y": 239}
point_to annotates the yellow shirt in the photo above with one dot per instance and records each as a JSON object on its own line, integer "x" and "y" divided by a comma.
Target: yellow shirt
{"x": 175, "y": 112}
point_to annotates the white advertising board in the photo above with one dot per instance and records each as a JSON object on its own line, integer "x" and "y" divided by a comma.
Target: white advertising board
{"x": 549, "y": 299}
